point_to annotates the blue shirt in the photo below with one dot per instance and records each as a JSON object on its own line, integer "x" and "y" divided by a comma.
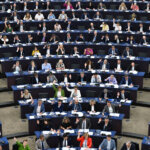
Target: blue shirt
{"x": 46, "y": 66}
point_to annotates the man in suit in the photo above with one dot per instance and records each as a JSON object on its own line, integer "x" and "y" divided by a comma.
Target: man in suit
{"x": 82, "y": 78}
{"x": 144, "y": 40}
{"x": 105, "y": 124}
{"x": 113, "y": 51}
{"x": 41, "y": 143}
{"x": 75, "y": 106}
{"x": 83, "y": 123}
{"x": 126, "y": 80}
{"x": 109, "y": 108}
{"x": 20, "y": 52}
{"x": 104, "y": 65}
{"x": 64, "y": 141}
{"x": 122, "y": 95}
{"x": 127, "y": 52}
{"x": 128, "y": 146}
{"x": 85, "y": 16}
{"x": 95, "y": 37}
{"x": 58, "y": 107}
{"x": 35, "y": 79}
{"x": 39, "y": 107}
{"x": 105, "y": 94}
{"x": 132, "y": 67}
{"x": 108, "y": 144}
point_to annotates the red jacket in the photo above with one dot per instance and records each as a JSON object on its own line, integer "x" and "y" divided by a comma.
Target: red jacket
{"x": 81, "y": 140}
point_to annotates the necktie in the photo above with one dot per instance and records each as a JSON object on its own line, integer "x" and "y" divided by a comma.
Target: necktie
{"x": 42, "y": 145}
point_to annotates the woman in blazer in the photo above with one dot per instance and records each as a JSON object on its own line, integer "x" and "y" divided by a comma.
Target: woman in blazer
{"x": 32, "y": 66}
{"x": 74, "y": 92}
{"x": 85, "y": 140}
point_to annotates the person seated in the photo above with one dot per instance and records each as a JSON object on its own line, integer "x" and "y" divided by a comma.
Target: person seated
{"x": 17, "y": 67}
{"x": 105, "y": 38}
{"x": 60, "y": 50}
{"x": 63, "y": 16}
{"x": 128, "y": 146}
{"x": 75, "y": 51}
{"x": 44, "y": 37}
{"x": 111, "y": 79}
{"x": 26, "y": 95}
{"x": 68, "y": 5}
{"x": 147, "y": 8}
{"x": 27, "y": 17}
{"x": 39, "y": 108}
{"x": 41, "y": 143}
{"x": 36, "y": 52}
{"x": 75, "y": 92}
{"x": 35, "y": 79}
{"x": 67, "y": 78}
{"x": 131, "y": 40}
{"x": 65, "y": 124}
{"x": 105, "y": 125}
{"x": 83, "y": 123}
{"x": 54, "y": 39}
{"x": 68, "y": 38}
{"x": 97, "y": 16}
{"x": 89, "y": 65}
{"x": 133, "y": 17}
{"x": 75, "y": 105}
{"x": 109, "y": 108}
{"x": 45, "y": 125}
{"x": 95, "y": 37}
{"x": 59, "y": 92}
{"x": 122, "y": 95}
{"x": 51, "y": 16}
{"x": 85, "y": 16}
{"x": 60, "y": 65}
{"x": 22, "y": 145}
{"x": 80, "y": 38}
{"x": 104, "y": 65}
{"x": 85, "y": 140}
{"x": 129, "y": 27}
{"x": 88, "y": 51}
{"x": 47, "y": 48}
{"x": 117, "y": 26}
{"x": 132, "y": 67}
{"x": 46, "y": 66}
{"x": 127, "y": 52}
{"x": 32, "y": 66}
{"x": 101, "y": 6}
{"x": 134, "y": 7}
{"x": 105, "y": 94}
{"x": 58, "y": 106}
{"x": 92, "y": 106}
{"x": 126, "y": 80}
{"x": 82, "y": 78}
{"x": 113, "y": 51}
{"x": 8, "y": 28}
{"x": 91, "y": 27}
{"x": 96, "y": 78}
{"x": 116, "y": 39}
{"x": 90, "y": 6}
{"x": 78, "y": 5}
{"x": 144, "y": 40}
{"x": 108, "y": 144}
{"x": 141, "y": 28}
{"x": 123, "y": 7}
{"x": 57, "y": 27}
{"x": 16, "y": 39}
{"x": 39, "y": 16}
{"x": 29, "y": 39}
{"x": 20, "y": 53}
{"x": 51, "y": 78}
{"x": 105, "y": 27}
{"x": 118, "y": 66}
{"x": 4, "y": 40}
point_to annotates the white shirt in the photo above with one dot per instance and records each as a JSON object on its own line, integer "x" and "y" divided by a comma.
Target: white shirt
{"x": 118, "y": 66}
{"x": 104, "y": 66}
{"x": 59, "y": 94}
{"x": 48, "y": 52}
{"x": 39, "y": 17}
{"x": 132, "y": 68}
{"x": 38, "y": 109}
{"x": 92, "y": 108}
{"x": 108, "y": 146}
{"x": 110, "y": 109}
{"x": 65, "y": 79}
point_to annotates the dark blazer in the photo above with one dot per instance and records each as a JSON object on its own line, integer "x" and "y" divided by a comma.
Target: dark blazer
{"x": 60, "y": 144}
{"x": 95, "y": 107}
{"x": 106, "y": 110}
{"x": 123, "y": 81}
{"x": 142, "y": 41}
{"x": 56, "y": 108}
{"x": 83, "y": 16}
{"x": 78, "y": 107}
{"x": 42, "y": 108}
{"x": 33, "y": 80}
{"x": 84, "y": 79}
{"x": 105, "y": 128}
{"x": 19, "y": 54}
{"x": 124, "y": 147}
{"x": 107, "y": 65}
{"x": 126, "y": 94}
{"x": 30, "y": 68}
{"x": 95, "y": 16}
{"x": 109, "y": 94}
{"x": 135, "y": 67}
{"x": 110, "y": 51}
{"x": 125, "y": 53}
{"x": 88, "y": 123}
{"x": 43, "y": 127}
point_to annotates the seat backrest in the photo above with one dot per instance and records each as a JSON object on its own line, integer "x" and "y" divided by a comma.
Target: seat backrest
{"x": 42, "y": 95}
{"x": 101, "y": 52}
{"x": 90, "y": 93}
{"x": 7, "y": 54}
{"x": 81, "y": 27}
{"x": 142, "y": 54}
{"x": 75, "y": 66}
{"x": 19, "y": 81}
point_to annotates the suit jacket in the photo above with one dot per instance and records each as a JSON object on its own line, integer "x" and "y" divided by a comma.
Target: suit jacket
{"x": 109, "y": 94}
{"x": 30, "y": 68}
{"x": 123, "y": 81}
{"x": 56, "y": 108}
{"x": 60, "y": 144}
{"x": 130, "y": 68}
{"x": 36, "y": 106}
{"x": 107, "y": 65}
{"x": 104, "y": 144}
{"x": 84, "y": 79}
{"x": 95, "y": 107}
{"x": 103, "y": 127}
{"x": 125, "y": 53}
{"x": 19, "y": 54}
{"x": 78, "y": 107}
{"x": 83, "y": 16}
{"x": 88, "y": 123}
{"x": 56, "y": 91}
{"x": 125, "y": 94}
{"x": 33, "y": 80}
{"x": 81, "y": 140}
{"x": 110, "y": 51}
{"x": 124, "y": 147}
{"x": 38, "y": 144}
{"x": 106, "y": 109}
